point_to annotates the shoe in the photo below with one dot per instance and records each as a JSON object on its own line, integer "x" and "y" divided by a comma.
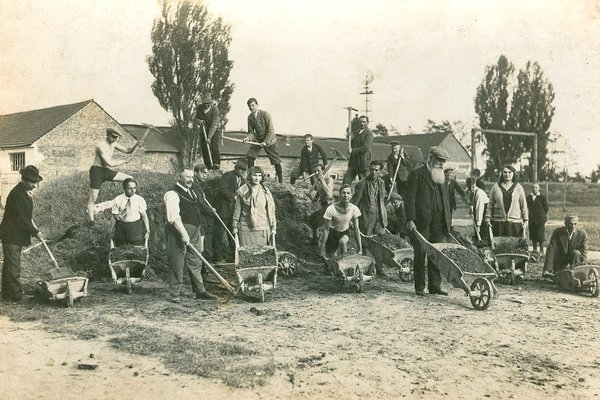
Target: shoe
{"x": 206, "y": 296}
{"x": 420, "y": 292}
{"x": 438, "y": 291}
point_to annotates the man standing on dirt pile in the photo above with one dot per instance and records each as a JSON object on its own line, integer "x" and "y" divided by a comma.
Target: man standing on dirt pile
{"x": 360, "y": 152}
{"x": 427, "y": 207}
{"x": 101, "y": 171}
{"x": 261, "y": 130}
{"x": 16, "y": 230}
{"x": 397, "y": 160}
{"x": 207, "y": 115}
{"x": 309, "y": 156}
{"x": 129, "y": 223}
{"x": 182, "y": 230}
{"x": 230, "y": 182}
{"x": 567, "y": 247}
{"x": 336, "y": 225}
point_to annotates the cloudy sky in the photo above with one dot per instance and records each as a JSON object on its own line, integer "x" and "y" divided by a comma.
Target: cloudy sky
{"x": 305, "y": 60}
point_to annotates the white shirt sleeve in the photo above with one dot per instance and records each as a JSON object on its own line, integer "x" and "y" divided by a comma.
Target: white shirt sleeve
{"x": 355, "y": 212}
{"x": 329, "y": 213}
{"x": 171, "y": 200}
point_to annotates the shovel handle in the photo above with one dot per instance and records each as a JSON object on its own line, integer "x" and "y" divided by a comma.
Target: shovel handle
{"x": 230, "y": 288}
{"x": 50, "y": 253}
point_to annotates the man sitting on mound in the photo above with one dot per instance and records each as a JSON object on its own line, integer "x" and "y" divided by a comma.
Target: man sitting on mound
{"x": 567, "y": 247}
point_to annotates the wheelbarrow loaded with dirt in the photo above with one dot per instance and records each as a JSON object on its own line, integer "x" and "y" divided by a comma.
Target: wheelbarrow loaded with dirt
{"x": 128, "y": 264}
{"x": 457, "y": 263}
{"x": 351, "y": 270}
{"x": 61, "y": 283}
{"x": 580, "y": 278}
{"x": 393, "y": 251}
{"x": 508, "y": 255}
{"x": 256, "y": 268}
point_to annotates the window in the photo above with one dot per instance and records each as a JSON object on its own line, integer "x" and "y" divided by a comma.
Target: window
{"x": 17, "y": 161}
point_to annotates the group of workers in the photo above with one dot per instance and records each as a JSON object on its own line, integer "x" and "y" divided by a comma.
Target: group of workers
{"x": 421, "y": 197}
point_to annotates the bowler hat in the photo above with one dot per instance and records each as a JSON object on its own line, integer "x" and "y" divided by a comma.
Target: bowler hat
{"x": 111, "y": 131}
{"x": 206, "y": 98}
{"x": 31, "y": 173}
{"x": 439, "y": 152}
{"x": 241, "y": 164}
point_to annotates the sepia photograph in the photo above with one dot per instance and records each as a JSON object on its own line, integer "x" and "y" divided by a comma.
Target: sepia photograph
{"x": 277, "y": 199}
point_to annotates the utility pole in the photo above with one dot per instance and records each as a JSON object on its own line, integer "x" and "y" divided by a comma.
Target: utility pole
{"x": 368, "y": 80}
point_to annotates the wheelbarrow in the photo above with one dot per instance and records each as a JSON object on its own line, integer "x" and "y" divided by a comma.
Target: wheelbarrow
{"x": 256, "y": 268}
{"x": 351, "y": 270}
{"x": 128, "y": 267}
{"x": 457, "y": 263}
{"x": 581, "y": 278}
{"x": 508, "y": 255}
{"x": 393, "y": 251}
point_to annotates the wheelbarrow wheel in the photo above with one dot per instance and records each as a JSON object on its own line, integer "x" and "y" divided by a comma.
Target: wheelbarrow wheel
{"x": 261, "y": 288}
{"x": 594, "y": 279}
{"x": 287, "y": 263}
{"x": 128, "y": 280}
{"x": 69, "y": 295}
{"x": 406, "y": 270}
{"x": 485, "y": 289}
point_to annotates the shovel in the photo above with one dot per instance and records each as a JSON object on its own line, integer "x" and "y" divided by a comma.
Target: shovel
{"x": 57, "y": 272}
{"x": 223, "y": 281}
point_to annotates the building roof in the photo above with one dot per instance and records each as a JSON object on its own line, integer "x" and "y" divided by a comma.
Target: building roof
{"x": 426, "y": 140}
{"x": 165, "y": 141}
{"x": 24, "y": 128}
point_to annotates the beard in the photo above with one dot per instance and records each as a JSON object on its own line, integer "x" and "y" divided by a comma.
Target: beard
{"x": 437, "y": 175}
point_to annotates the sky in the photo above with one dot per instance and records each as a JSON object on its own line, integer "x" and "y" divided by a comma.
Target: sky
{"x": 306, "y": 60}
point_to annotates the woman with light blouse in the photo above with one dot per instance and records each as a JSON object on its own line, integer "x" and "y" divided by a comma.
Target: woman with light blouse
{"x": 507, "y": 208}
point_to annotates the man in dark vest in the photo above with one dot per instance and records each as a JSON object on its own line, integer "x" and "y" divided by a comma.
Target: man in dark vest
{"x": 427, "y": 206}
{"x": 184, "y": 216}
{"x": 16, "y": 230}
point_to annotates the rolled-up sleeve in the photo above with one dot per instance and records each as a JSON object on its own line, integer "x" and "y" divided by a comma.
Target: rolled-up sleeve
{"x": 171, "y": 200}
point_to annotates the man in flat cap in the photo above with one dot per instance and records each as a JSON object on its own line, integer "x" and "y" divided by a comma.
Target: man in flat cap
{"x": 398, "y": 167}
{"x": 396, "y": 216}
{"x": 568, "y": 246}
{"x": 16, "y": 230}
{"x": 208, "y": 117}
{"x": 427, "y": 206}
{"x": 101, "y": 169}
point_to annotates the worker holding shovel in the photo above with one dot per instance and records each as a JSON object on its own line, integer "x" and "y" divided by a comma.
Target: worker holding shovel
{"x": 208, "y": 117}
{"x": 16, "y": 230}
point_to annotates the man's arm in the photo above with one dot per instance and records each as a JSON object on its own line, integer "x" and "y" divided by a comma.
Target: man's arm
{"x": 323, "y": 154}
{"x": 23, "y": 214}
{"x": 269, "y": 129}
{"x": 214, "y": 121}
{"x": 326, "y": 226}
{"x": 237, "y": 212}
{"x": 366, "y": 145}
{"x": 144, "y": 215}
{"x": 171, "y": 200}
{"x": 108, "y": 161}
{"x": 251, "y": 137}
{"x": 304, "y": 161}
{"x": 584, "y": 246}
{"x": 358, "y": 193}
{"x": 357, "y": 234}
{"x": 411, "y": 198}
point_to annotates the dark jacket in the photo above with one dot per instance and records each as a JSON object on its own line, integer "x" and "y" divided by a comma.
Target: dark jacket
{"x": 204, "y": 210}
{"x": 361, "y": 200}
{"x": 260, "y": 128}
{"x": 403, "y": 169}
{"x": 361, "y": 150}
{"x": 211, "y": 119}
{"x": 310, "y": 158}
{"x": 227, "y": 188}
{"x": 454, "y": 187}
{"x": 558, "y": 253}
{"x": 419, "y": 199}
{"x": 17, "y": 226}
{"x": 538, "y": 209}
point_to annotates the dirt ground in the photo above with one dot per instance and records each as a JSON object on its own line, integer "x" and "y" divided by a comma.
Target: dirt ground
{"x": 309, "y": 340}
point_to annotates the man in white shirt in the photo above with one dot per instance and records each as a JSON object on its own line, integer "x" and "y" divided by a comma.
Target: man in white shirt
{"x": 129, "y": 223}
{"x": 336, "y": 226}
{"x": 183, "y": 229}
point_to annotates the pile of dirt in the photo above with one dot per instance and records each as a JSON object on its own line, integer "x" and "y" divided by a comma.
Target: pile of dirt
{"x": 521, "y": 247}
{"x": 466, "y": 260}
{"x": 257, "y": 256}
{"x": 128, "y": 252}
{"x": 391, "y": 241}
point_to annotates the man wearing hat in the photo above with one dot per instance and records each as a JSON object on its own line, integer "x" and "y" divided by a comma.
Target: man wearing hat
{"x": 428, "y": 210}
{"x": 101, "y": 169}
{"x": 568, "y": 246}
{"x": 396, "y": 215}
{"x": 397, "y": 160}
{"x": 207, "y": 115}
{"x": 230, "y": 182}
{"x": 370, "y": 197}
{"x": 453, "y": 187}
{"x": 16, "y": 230}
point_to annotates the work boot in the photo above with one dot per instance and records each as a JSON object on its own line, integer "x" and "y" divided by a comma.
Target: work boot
{"x": 206, "y": 296}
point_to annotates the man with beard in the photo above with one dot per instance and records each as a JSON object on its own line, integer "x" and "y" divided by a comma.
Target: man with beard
{"x": 427, "y": 207}
{"x": 336, "y": 226}
{"x": 369, "y": 197}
